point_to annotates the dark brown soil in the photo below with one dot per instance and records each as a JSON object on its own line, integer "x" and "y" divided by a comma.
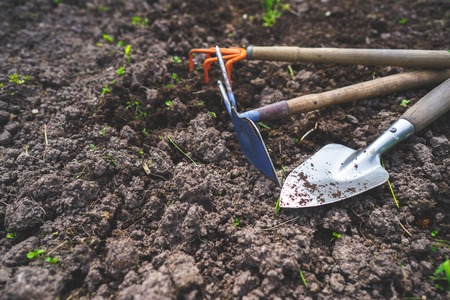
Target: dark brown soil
{"x": 97, "y": 182}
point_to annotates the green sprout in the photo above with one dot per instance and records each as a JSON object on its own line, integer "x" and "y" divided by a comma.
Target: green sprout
{"x": 52, "y": 260}
{"x": 403, "y": 21}
{"x": 102, "y": 132}
{"x": 291, "y": 71}
{"x": 236, "y": 222}
{"x": 35, "y": 253}
{"x": 169, "y": 104}
{"x": 201, "y": 103}
{"x": 176, "y": 59}
{"x": 404, "y": 102}
{"x": 10, "y": 235}
{"x": 127, "y": 52}
{"x": 336, "y": 235}
{"x": 442, "y": 274}
{"x": 213, "y": 114}
{"x": 434, "y": 233}
{"x": 120, "y": 44}
{"x": 262, "y": 125}
{"x": 138, "y": 21}
{"x": 103, "y": 8}
{"x": 136, "y": 108}
{"x": 141, "y": 151}
{"x": 108, "y": 38}
{"x": 179, "y": 149}
{"x": 121, "y": 71}
{"x": 93, "y": 147}
{"x": 270, "y": 12}
{"x": 302, "y": 277}
{"x": 175, "y": 77}
{"x": 277, "y": 206}
{"x": 106, "y": 90}
{"x": 391, "y": 188}
{"x": 17, "y": 79}
{"x": 145, "y": 132}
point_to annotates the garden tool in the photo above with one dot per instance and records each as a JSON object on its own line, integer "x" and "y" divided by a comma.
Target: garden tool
{"x": 429, "y": 59}
{"x": 249, "y": 137}
{"x": 337, "y": 172}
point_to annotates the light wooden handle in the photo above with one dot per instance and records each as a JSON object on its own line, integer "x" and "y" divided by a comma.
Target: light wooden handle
{"x": 368, "y": 89}
{"x": 430, "y": 107}
{"x": 430, "y": 59}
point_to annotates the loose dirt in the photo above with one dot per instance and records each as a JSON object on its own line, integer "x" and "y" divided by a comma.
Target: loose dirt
{"x": 90, "y": 169}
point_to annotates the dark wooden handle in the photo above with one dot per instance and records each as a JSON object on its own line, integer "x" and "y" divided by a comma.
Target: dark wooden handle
{"x": 430, "y": 107}
{"x": 368, "y": 89}
{"x": 430, "y": 59}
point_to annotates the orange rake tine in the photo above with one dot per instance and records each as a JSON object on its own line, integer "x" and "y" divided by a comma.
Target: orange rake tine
{"x": 209, "y": 51}
{"x": 207, "y": 65}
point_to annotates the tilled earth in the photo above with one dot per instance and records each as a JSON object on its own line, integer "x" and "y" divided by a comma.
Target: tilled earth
{"x": 92, "y": 168}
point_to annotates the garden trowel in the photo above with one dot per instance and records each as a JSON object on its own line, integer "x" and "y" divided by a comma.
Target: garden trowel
{"x": 337, "y": 172}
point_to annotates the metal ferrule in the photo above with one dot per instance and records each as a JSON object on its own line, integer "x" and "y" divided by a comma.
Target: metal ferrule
{"x": 272, "y": 111}
{"x": 399, "y": 130}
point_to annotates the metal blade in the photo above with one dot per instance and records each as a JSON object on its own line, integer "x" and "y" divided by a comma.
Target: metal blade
{"x": 334, "y": 173}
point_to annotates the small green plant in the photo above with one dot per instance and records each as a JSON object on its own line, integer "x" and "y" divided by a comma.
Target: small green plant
{"x": 213, "y": 114}
{"x": 35, "y": 253}
{"x": 290, "y": 71}
{"x": 111, "y": 160}
{"x": 108, "y": 38}
{"x": 391, "y": 188}
{"x": 57, "y": 2}
{"x": 121, "y": 71}
{"x": 106, "y": 90}
{"x": 175, "y": 77}
{"x": 136, "y": 108}
{"x": 270, "y": 12}
{"x": 141, "y": 151}
{"x": 441, "y": 275}
{"x": 127, "y": 52}
{"x": 138, "y": 21}
{"x": 52, "y": 260}
{"x": 201, "y": 103}
{"x": 236, "y": 222}
{"x": 145, "y": 132}
{"x": 120, "y": 44}
{"x": 179, "y": 149}
{"x": 169, "y": 104}
{"x": 9, "y": 234}
{"x": 434, "y": 233}
{"x": 336, "y": 235}
{"x": 277, "y": 206}
{"x": 403, "y": 21}
{"x": 404, "y": 102}
{"x": 103, "y": 131}
{"x": 17, "y": 79}
{"x": 302, "y": 277}
{"x": 176, "y": 59}
{"x": 93, "y": 147}
{"x": 262, "y": 125}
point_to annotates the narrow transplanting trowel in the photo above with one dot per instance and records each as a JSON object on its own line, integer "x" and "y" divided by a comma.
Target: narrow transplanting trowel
{"x": 337, "y": 172}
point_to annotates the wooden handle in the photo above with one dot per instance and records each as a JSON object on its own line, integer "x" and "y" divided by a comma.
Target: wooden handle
{"x": 430, "y": 59}
{"x": 430, "y": 107}
{"x": 368, "y": 89}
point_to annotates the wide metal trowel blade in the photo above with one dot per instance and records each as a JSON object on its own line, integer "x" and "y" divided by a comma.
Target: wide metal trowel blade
{"x": 334, "y": 173}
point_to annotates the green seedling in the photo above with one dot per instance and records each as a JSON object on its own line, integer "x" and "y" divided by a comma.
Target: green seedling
{"x": 35, "y": 253}
{"x": 2, "y": 85}
{"x": 442, "y": 274}
{"x": 302, "y": 277}
{"x": 93, "y": 147}
{"x": 102, "y": 132}
{"x": 17, "y": 79}
{"x": 52, "y": 260}
{"x": 169, "y": 104}
{"x": 106, "y": 90}
{"x": 391, "y": 188}
{"x": 201, "y": 103}
{"x": 121, "y": 71}
{"x": 127, "y": 52}
{"x": 145, "y": 132}
{"x": 404, "y": 102}
{"x": 138, "y": 21}
{"x": 213, "y": 114}
{"x": 176, "y": 59}
{"x": 403, "y": 21}
{"x": 120, "y": 44}
{"x": 103, "y": 8}
{"x": 10, "y": 235}
{"x": 111, "y": 160}
{"x": 175, "y": 77}
{"x": 336, "y": 235}
{"x": 270, "y": 12}
{"x": 290, "y": 71}
{"x": 57, "y": 2}
{"x": 141, "y": 151}
{"x": 277, "y": 206}
{"x": 236, "y": 222}
{"x": 179, "y": 149}
{"x": 108, "y": 38}
{"x": 136, "y": 108}
{"x": 262, "y": 125}
{"x": 434, "y": 233}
